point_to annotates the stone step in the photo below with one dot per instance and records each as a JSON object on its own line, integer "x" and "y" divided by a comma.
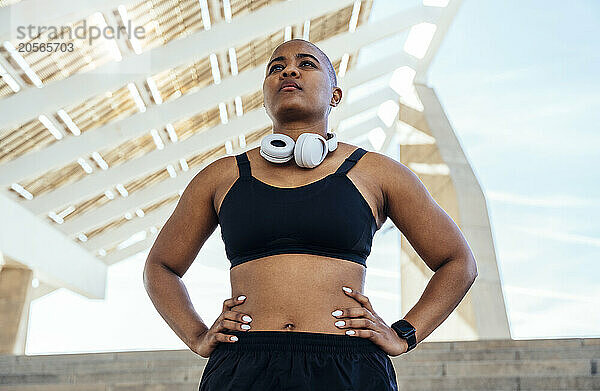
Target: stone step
{"x": 497, "y": 368}
{"x": 83, "y": 367}
{"x": 148, "y": 376}
{"x": 432, "y": 383}
{"x": 188, "y": 386}
{"x": 527, "y": 344}
{"x": 56, "y": 387}
{"x": 503, "y": 354}
{"x": 85, "y": 362}
{"x": 491, "y": 369}
{"x": 500, "y": 383}
{"x": 464, "y": 346}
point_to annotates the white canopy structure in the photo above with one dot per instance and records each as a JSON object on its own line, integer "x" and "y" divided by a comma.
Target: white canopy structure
{"x": 97, "y": 143}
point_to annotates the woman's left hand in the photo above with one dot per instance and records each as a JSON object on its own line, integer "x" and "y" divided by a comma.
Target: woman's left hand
{"x": 365, "y": 323}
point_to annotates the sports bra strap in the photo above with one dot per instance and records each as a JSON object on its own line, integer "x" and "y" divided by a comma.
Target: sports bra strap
{"x": 243, "y": 165}
{"x": 350, "y": 161}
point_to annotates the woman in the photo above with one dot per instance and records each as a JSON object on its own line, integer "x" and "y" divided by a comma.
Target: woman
{"x": 297, "y": 240}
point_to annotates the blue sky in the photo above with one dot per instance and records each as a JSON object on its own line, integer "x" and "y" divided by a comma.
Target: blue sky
{"x": 519, "y": 83}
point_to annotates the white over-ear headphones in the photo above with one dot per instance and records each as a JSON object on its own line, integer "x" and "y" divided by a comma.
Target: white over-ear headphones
{"x": 309, "y": 150}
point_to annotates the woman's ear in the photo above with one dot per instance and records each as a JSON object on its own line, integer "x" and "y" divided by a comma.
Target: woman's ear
{"x": 336, "y": 97}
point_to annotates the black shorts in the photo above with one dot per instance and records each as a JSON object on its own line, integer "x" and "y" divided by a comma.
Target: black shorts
{"x": 297, "y": 361}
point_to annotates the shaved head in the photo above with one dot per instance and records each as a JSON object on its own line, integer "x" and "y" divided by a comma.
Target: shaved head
{"x": 330, "y": 69}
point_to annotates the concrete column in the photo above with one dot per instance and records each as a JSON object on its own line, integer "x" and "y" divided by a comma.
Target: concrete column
{"x": 482, "y": 312}
{"x": 15, "y": 297}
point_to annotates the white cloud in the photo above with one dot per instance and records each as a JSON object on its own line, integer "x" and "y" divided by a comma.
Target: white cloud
{"x": 551, "y": 294}
{"x": 551, "y": 318}
{"x": 551, "y": 201}
{"x": 560, "y": 236}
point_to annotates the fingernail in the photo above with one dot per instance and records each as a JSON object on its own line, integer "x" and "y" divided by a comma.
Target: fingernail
{"x": 242, "y": 297}
{"x": 340, "y": 323}
{"x": 347, "y": 289}
{"x": 336, "y": 313}
{"x": 233, "y": 338}
{"x": 247, "y": 318}
{"x": 350, "y": 332}
{"x": 246, "y": 326}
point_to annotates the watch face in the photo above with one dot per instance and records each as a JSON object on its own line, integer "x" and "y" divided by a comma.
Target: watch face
{"x": 404, "y": 327}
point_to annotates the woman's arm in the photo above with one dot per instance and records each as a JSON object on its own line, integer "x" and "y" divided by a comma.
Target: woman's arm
{"x": 437, "y": 240}
{"x": 174, "y": 250}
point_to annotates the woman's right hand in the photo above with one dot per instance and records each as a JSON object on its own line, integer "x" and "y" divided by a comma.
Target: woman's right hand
{"x": 228, "y": 320}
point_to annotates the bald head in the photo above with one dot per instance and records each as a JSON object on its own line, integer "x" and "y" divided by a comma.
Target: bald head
{"x": 330, "y": 69}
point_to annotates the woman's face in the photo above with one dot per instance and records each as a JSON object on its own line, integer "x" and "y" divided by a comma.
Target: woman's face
{"x": 298, "y": 62}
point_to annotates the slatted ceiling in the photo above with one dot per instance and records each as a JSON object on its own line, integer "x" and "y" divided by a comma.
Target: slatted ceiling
{"x": 201, "y": 158}
{"x": 152, "y": 207}
{"x": 128, "y": 150}
{"x": 30, "y": 136}
{"x": 57, "y": 65}
{"x": 115, "y": 247}
{"x": 100, "y": 199}
{"x": 5, "y": 90}
{"x": 252, "y": 101}
{"x": 148, "y": 180}
{"x": 207, "y": 156}
{"x": 122, "y": 220}
{"x": 6, "y": 3}
{"x": 240, "y": 7}
{"x": 102, "y": 109}
{"x": 257, "y": 52}
{"x": 113, "y": 224}
{"x": 85, "y": 206}
{"x": 54, "y": 178}
{"x": 183, "y": 79}
{"x": 328, "y": 25}
{"x": 72, "y": 172}
{"x": 165, "y": 20}
{"x": 258, "y": 134}
{"x": 197, "y": 123}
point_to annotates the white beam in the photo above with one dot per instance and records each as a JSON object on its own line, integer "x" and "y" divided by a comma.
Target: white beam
{"x": 27, "y": 104}
{"x": 119, "y": 255}
{"x": 54, "y": 257}
{"x": 390, "y": 132}
{"x": 443, "y": 24}
{"x": 155, "y": 116}
{"x": 10, "y": 70}
{"x": 117, "y": 235}
{"x": 362, "y": 104}
{"x": 118, "y": 207}
{"x": 49, "y": 13}
{"x": 362, "y": 128}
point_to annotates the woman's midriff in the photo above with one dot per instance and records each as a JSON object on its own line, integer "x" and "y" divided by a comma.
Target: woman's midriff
{"x": 295, "y": 292}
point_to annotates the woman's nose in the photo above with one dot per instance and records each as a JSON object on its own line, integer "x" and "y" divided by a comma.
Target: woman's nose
{"x": 289, "y": 73}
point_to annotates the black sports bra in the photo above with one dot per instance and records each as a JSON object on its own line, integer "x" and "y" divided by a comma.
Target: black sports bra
{"x": 328, "y": 217}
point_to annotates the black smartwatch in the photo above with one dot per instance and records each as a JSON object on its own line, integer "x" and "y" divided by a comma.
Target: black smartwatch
{"x": 405, "y": 331}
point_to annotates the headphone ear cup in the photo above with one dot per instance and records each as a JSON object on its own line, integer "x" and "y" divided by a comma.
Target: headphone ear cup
{"x": 310, "y": 150}
{"x": 332, "y": 142}
{"x": 277, "y": 147}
